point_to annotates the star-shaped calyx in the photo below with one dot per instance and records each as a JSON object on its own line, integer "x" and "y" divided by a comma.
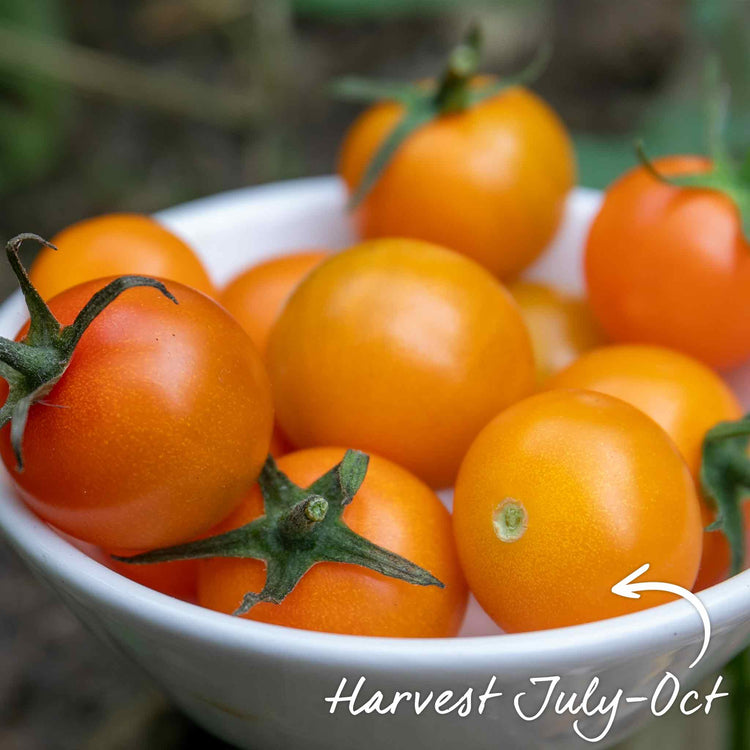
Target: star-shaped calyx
{"x": 301, "y": 527}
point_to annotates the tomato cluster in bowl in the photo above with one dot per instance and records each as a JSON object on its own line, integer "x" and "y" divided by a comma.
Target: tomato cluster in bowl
{"x": 273, "y": 448}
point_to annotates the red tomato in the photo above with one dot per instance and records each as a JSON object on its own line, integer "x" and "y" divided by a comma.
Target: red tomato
{"x": 671, "y": 266}
{"x": 159, "y": 425}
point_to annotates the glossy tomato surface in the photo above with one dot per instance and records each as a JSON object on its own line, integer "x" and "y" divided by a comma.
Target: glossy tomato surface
{"x": 682, "y": 395}
{"x": 489, "y": 182}
{"x": 116, "y": 245}
{"x": 671, "y": 266}
{"x": 400, "y": 348}
{"x": 562, "y": 496}
{"x": 256, "y": 296}
{"x": 159, "y": 425}
{"x": 562, "y": 328}
{"x": 392, "y": 509}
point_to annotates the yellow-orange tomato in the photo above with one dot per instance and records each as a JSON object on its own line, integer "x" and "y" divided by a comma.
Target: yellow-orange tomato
{"x": 393, "y": 509}
{"x": 116, "y": 245}
{"x": 399, "y": 348}
{"x": 563, "y": 495}
{"x": 561, "y": 327}
{"x": 679, "y": 393}
{"x": 257, "y": 296}
{"x": 279, "y": 443}
{"x": 489, "y": 182}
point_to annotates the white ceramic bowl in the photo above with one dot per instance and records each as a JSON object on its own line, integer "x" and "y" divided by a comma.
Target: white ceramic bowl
{"x": 263, "y": 686}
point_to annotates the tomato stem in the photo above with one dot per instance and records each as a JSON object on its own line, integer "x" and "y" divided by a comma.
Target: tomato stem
{"x": 423, "y": 103}
{"x": 31, "y": 367}
{"x": 300, "y": 527}
{"x": 725, "y": 480}
{"x": 725, "y": 175}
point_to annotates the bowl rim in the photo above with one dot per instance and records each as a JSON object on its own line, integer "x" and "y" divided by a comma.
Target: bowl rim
{"x": 667, "y": 626}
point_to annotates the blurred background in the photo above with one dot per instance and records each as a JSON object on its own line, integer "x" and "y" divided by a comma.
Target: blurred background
{"x": 135, "y": 105}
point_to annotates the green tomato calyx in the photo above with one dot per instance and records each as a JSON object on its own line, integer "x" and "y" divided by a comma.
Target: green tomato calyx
{"x": 300, "y": 527}
{"x": 452, "y": 93}
{"x": 31, "y": 367}
{"x": 725, "y": 480}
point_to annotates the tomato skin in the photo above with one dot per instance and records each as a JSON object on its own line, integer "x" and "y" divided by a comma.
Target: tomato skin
{"x": 682, "y": 396}
{"x": 670, "y": 266}
{"x": 116, "y": 245}
{"x": 280, "y": 444}
{"x": 178, "y": 579}
{"x": 157, "y": 428}
{"x": 605, "y": 491}
{"x": 257, "y": 295}
{"x": 398, "y": 348}
{"x": 393, "y": 509}
{"x": 496, "y": 175}
{"x": 561, "y": 327}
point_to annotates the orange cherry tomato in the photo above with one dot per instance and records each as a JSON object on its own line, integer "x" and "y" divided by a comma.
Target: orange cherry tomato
{"x": 682, "y": 395}
{"x": 257, "y": 296}
{"x": 398, "y": 348}
{"x": 116, "y": 245}
{"x": 563, "y": 495}
{"x": 561, "y": 327}
{"x": 671, "y": 266}
{"x": 393, "y": 509}
{"x": 178, "y": 579}
{"x": 489, "y": 182}
{"x": 158, "y": 426}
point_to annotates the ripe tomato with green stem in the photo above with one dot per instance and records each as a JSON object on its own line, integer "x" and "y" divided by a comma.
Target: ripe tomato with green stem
{"x": 683, "y": 396}
{"x": 478, "y": 164}
{"x": 560, "y": 497}
{"x": 114, "y": 245}
{"x": 365, "y": 549}
{"x": 668, "y": 255}
{"x": 133, "y": 417}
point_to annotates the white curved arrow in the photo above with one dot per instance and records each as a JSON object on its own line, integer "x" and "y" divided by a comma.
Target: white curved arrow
{"x": 630, "y": 590}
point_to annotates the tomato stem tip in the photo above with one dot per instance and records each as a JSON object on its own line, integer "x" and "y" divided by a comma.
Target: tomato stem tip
{"x": 453, "y": 92}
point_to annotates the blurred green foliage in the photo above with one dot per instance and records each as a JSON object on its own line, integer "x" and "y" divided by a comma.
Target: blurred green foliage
{"x": 676, "y": 121}
{"x": 363, "y": 9}
{"x": 32, "y": 110}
